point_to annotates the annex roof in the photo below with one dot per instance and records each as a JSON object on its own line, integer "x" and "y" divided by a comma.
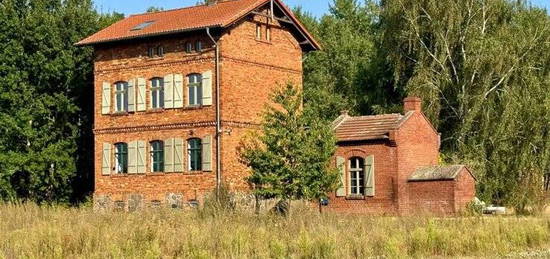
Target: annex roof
{"x": 349, "y": 128}
{"x": 437, "y": 173}
{"x": 222, "y": 15}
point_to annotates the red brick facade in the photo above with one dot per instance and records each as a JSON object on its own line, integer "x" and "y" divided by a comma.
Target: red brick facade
{"x": 410, "y": 144}
{"x": 251, "y": 68}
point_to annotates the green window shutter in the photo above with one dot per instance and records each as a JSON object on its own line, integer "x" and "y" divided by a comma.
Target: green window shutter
{"x": 169, "y": 155}
{"x": 369, "y": 176}
{"x": 169, "y": 91}
{"x": 132, "y": 155}
{"x": 132, "y": 95}
{"x": 141, "y": 160}
{"x": 106, "y": 161}
{"x": 141, "y": 94}
{"x": 341, "y": 165}
{"x": 178, "y": 155}
{"x": 178, "y": 91}
{"x": 207, "y": 153}
{"x": 106, "y": 98}
{"x": 207, "y": 88}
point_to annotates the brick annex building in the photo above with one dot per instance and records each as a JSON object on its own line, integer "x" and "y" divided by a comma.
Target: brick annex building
{"x": 176, "y": 90}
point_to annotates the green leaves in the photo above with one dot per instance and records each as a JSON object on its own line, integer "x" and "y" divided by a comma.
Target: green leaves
{"x": 290, "y": 157}
{"x": 42, "y": 81}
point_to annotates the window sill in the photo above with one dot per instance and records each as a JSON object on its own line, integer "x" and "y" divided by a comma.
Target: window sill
{"x": 154, "y": 58}
{"x": 356, "y": 197}
{"x": 264, "y": 41}
{"x": 116, "y": 114}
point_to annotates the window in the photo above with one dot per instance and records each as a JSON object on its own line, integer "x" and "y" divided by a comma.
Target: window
{"x": 142, "y": 26}
{"x": 258, "y": 31}
{"x": 157, "y": 93}
{"x": 189, "y": 47}
{"x": 121, "y": 93}
{"x": 195, "y": 152}
{"x": 357, "y": 176}
{"x": 151, "y": 52}
{"x": 155, "y": 52}
{"x": 198, "y": 46}
{"x": 121, "y": 157}
{"x": 195, "y": 89}
{"x": 160, "y": 51}
{"x": 157, "y": 156}
{"x": 268, "y": 33}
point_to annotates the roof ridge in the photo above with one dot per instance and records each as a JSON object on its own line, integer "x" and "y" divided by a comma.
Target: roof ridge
{"x": 377, "y": 115}
{"x": 181, "y": 8}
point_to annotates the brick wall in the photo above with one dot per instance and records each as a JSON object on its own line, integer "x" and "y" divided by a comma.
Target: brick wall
{"x": 417, "y": 146}
{"x": 385, "y": 167}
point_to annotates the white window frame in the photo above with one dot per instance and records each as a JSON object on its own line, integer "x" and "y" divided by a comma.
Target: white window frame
{"x": 157, "y": 93}
{"x": 194, "y": 89}
{"x": 357, "y": 176}
{"x": 121, "y": 89}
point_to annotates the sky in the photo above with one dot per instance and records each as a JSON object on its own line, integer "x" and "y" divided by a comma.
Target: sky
{"x": 316, "y": 7}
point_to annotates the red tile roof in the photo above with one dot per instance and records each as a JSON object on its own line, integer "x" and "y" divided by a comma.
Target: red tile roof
{"x": 367, "y": 127}
{"x": 222, "y": 14}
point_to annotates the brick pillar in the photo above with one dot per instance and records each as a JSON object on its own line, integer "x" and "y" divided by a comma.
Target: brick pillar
{"x": 412, "y": 104}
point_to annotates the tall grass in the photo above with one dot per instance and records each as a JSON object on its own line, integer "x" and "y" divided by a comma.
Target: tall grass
{"x": 30, "y": 231}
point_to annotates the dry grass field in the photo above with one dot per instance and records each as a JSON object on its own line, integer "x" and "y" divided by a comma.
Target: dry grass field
{"x": 31, "y": 231}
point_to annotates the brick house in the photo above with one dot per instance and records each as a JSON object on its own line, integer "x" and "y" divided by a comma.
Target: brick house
{"x": 175, "y": 91}
{"x": 389, "y": 165}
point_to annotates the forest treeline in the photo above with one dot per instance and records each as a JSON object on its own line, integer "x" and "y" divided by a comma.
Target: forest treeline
{"x": 482, "y": 68}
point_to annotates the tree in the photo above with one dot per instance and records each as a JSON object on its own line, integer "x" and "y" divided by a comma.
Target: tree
{"x": 153, "y": 9}
{"x": 290, "y": 157}
{"x": 483, "y": 70}
{"x": 44, "y": 84}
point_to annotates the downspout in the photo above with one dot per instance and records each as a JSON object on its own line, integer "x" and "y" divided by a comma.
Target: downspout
{"x": 218, "y": 117}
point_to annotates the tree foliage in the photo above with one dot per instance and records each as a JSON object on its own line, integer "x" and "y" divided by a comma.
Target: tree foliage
{"x": 290, "y": 158}
{"x": 44, "y": 84}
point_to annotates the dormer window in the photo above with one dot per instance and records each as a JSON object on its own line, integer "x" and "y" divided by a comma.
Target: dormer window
{"x": 142, "y": 26}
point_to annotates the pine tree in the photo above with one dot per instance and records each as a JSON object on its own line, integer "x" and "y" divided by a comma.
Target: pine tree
{"x": 290, "y": 158}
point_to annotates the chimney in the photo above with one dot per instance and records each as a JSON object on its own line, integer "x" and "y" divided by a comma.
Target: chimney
{"x": 344, "y": 112}
{"x": 412, "y": 104}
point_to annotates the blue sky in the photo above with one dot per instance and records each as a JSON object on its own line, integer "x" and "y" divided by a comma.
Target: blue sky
{"x": 316, "y": 7}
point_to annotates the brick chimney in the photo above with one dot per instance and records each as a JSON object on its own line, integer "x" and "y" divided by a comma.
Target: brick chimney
{"x": 412, "y": 104}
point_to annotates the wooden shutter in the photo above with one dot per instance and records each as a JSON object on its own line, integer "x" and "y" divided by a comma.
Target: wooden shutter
{"x": 106, "y": 161}
{"x": 106, "y": 98}
{"x": 141, "y": 158}
{"x": 169, "y": 91}
{"x": 369, "y": 176}
{"x": 187, "y": 91}
{"x": 178, "y": 155}
{"x": 207, "y": 153}
{"x": 141, "y": 94}
{"x": 207, "y": 88}
{"x": 178, "y": 91}
{"x": 341, "y": 165}
{"x": 132, "y": 155}
{"x": 169, "y": 155}
{"x": 132, "y": 95}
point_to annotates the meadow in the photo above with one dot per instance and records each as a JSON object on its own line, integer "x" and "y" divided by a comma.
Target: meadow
{"x": 32, "y": 231}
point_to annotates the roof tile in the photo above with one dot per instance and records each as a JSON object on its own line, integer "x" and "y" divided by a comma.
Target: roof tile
{"x": 221, "y": 14}
{"x": 366, "y": 127}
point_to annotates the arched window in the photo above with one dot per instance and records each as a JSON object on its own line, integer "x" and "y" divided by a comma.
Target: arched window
{"x": 157, "y": 156}
{"x": 357, "y": 176}
{"x": 121, "y": 158}
{"x": 157, "y": 93}
{"x": 194, "y": 147}
{"x": 195, "y": 89}
{"x": 121, "y": 96}
{"x": 189, "y": 47}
